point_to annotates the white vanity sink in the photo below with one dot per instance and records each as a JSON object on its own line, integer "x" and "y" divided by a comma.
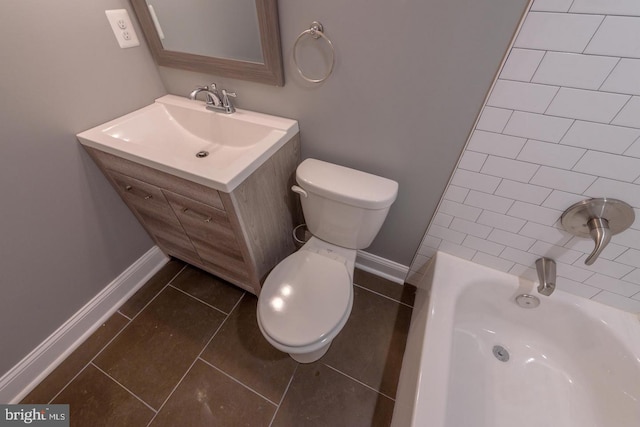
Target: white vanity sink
{"x": 168, "y": 134}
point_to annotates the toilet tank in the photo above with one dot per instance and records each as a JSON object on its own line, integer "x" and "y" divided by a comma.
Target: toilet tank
{"x": 344, "y": 206}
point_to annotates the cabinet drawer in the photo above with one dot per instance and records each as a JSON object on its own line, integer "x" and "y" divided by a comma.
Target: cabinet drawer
{"x": 157, "y": 178}
{"x": 153, "y": 210}
{"x": 211, "y": 234}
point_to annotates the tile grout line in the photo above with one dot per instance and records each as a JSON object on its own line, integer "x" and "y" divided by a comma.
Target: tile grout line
{"x": 199, "y": 357}
{"x": 116, "y": 335}
{"x": 609, "y": 75}
{"x": 506, "y": 123}
{"x": 69, "y": 382}
{"x": 565, "y": 134}
{"x": 604, "y": 17}
{"x": 537, "y": 67}
{"x": 234, "y": 379}
{"x": 199, "y": 300}
{"x": 562, "y": 85}
{"x": 629, "y": 147}
{"x": 598, "y": 293}
{"x": 593, "y": 121}
{"x": 129, "y": 391}
{"x": 383, "y": 296}
{"x": 93, "y": 358}
{"x": 137, "y": 314}
{"x": 123, "y": 315}
{"x": 360, "y": 382}
{"x": 286, "y": 390}
{"x": 620, "y": 110}
{"x": 158, "y": 293}
{"x": 196, "y": 358}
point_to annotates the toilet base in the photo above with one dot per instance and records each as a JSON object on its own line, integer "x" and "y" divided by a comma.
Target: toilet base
{"x": 311, "y": 356}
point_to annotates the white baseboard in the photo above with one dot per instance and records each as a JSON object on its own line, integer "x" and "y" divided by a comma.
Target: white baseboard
{"x": 382, "y": 267}
{"x": 25, "y": 375}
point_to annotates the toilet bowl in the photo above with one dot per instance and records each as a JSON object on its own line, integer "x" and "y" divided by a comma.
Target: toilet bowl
{"x": 307, "y": 298}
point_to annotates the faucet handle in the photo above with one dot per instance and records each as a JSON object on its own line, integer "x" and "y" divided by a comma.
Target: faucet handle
{"x": 601, "y": 234}
{"x": 226, "y": 102}
{"x": 599, "y": 219}
{"x": 227, "y": 94}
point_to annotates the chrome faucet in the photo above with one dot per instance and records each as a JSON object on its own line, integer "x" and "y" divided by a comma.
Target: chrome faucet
{"x": 546, "y": 275}
{"x": 214, "y": 101}
{"x": 212, "y": 95}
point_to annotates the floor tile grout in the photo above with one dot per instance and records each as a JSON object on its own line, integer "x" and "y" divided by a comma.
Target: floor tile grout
{"x": 137, "y": 314}
{"x": 383, "y": 295}
{"x": 69, "y": 382}
{"x": 238, "y": 381}
{"x": 184, "y": 384}
{"x": 197, "y": 357}
{"x": 91, "y": 360}
{"x": 199, "y": 300}
{"x": 359, "y": 382}
{"x": 286, "y": 390}
{"x": 124, "y": 315}
{"x": 118, "y": 334}
{"x": 125, "y": 388}
{"x": 158, "y": 293}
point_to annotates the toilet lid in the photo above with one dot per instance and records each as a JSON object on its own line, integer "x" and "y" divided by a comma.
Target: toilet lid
{"x": 304, "y": 298}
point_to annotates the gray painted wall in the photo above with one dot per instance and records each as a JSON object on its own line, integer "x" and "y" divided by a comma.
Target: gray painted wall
{"x": 409, "y": 80}
{"x": 64, "y": 233}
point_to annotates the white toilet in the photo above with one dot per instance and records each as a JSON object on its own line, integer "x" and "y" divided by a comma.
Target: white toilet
{"x": 307, "y": 298}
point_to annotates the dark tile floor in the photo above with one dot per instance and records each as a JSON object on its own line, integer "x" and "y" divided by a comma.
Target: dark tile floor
{"x": 186, "y": 350}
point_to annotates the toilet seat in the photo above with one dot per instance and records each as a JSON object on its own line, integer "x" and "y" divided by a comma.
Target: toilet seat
{"x": 305, "y": 298}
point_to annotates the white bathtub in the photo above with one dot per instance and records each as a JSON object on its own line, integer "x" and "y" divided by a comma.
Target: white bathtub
{"x": 572, "y": 362}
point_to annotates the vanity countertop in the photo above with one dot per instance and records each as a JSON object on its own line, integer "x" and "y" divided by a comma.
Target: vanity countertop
{"x": 168, "y": 135}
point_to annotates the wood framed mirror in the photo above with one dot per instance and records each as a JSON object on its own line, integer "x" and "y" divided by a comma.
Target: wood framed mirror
{"x": 258, "y": 58}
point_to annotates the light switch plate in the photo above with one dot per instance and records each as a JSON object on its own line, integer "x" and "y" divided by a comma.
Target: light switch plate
{"x": 122, "y": 28}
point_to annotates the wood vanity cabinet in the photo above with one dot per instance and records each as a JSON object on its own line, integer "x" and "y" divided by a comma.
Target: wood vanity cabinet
{"x": 238, "y": 236}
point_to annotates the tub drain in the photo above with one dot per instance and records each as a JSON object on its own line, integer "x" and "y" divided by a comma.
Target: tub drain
{"x": 201, "y": 154}
{"x": 501, "y": 353}
{"x": 527, "y": 301}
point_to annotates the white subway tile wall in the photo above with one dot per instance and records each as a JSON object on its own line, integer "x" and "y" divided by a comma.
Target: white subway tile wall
{"x": 630, "y": 114}
{"x": 522, "y": 64}
{"x": 574, "y": 70}
{"x": 624, "y": 79}
{"x": 552, "y": 5}
{"x": 561, "y": 124}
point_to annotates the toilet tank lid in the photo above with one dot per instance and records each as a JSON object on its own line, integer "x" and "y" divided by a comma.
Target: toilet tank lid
{"x": 346, "y": 185}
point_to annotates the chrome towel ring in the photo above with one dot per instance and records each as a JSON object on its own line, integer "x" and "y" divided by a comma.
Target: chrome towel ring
{"x": 316, "y": 30}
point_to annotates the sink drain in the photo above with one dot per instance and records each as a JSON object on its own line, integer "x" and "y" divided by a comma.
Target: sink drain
{"x": 202, "y": 154}
{"x": 501, "y": 353}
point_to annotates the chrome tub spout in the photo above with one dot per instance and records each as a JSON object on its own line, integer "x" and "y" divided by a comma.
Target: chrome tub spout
{"x": 546, "y": 275}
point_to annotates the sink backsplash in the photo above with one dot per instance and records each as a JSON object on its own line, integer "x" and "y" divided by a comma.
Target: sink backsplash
{"x": 561, "y": 124}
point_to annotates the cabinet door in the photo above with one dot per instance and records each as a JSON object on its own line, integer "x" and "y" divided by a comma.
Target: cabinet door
{"x": 211, "y": 233}
{"x": 154, "y": 212}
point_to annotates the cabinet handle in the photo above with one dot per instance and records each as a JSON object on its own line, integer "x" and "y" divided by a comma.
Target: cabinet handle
{"x": 132, "y": 190}
{"x": 198, "y": 215}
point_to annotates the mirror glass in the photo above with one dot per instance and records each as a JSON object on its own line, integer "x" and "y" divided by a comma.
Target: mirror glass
{"x": 219, "y": 28}
{"x": 230, "y": 38}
